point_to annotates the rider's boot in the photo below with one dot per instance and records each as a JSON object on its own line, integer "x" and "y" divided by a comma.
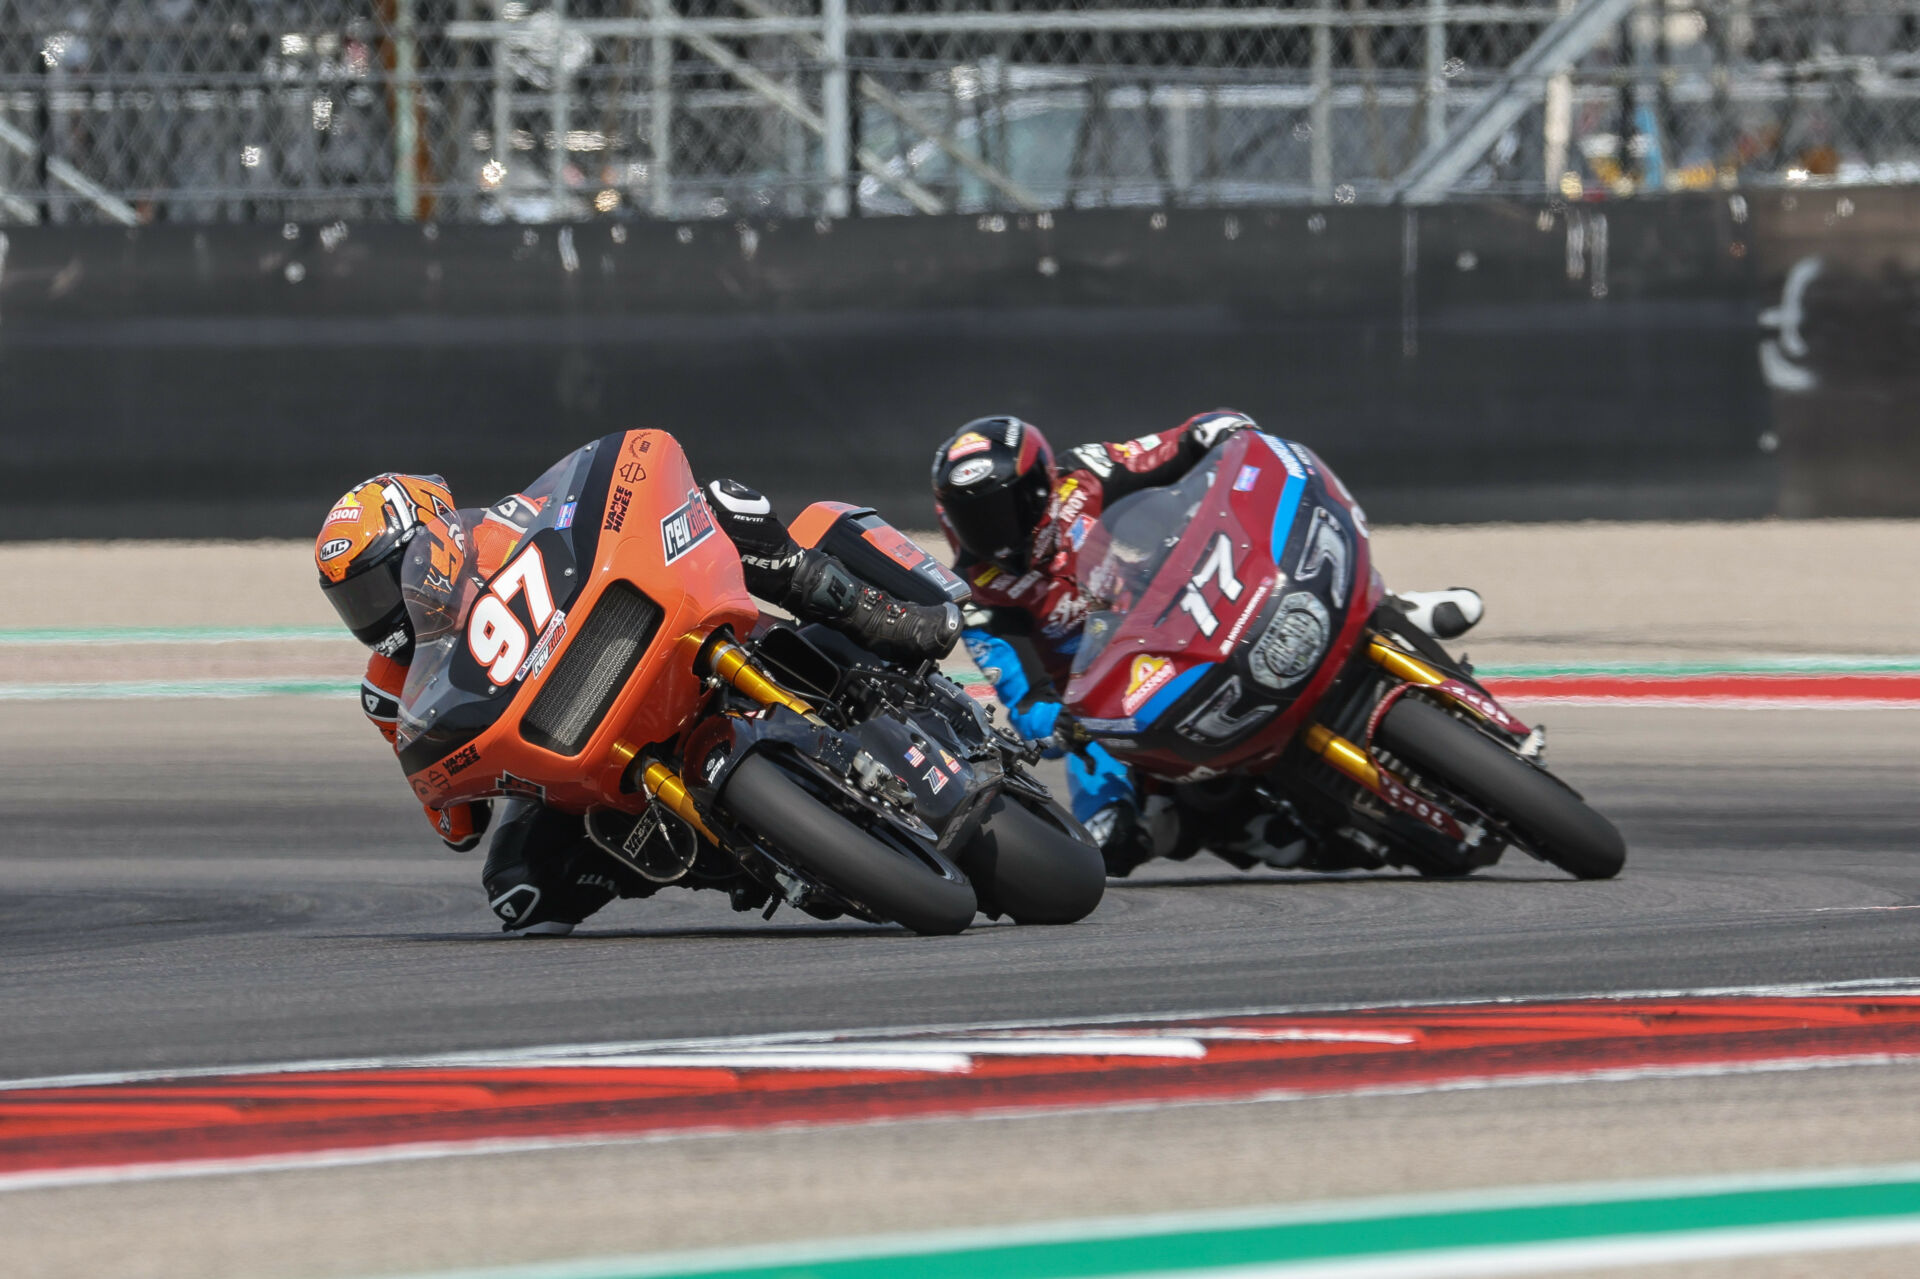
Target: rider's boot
{"x": 1129, "y": 838}
{"x": 1444, "y": 615}
{"x": 542, "y": 875}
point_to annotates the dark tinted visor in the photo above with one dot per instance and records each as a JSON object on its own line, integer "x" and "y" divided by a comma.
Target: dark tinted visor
{"x": 369, "y": 603}
{"x": 990, "y": 525}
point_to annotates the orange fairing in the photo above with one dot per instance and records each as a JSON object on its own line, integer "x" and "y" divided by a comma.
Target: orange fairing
{"x": 816, "y": 520}
{"x": 655, "y": 576}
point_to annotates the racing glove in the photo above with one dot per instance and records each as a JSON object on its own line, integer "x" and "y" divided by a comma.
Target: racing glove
{"x": 823, "y": 590}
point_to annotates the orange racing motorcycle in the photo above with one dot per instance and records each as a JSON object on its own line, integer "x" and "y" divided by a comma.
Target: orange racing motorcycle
{"x": 615, "y": 666}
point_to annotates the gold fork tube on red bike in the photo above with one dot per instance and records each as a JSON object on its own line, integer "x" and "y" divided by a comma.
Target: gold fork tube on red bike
{"x": 665, "y": 785}
{"x": 1343, "y": 755}
{"x": 729, "y": 663}
{"x": 1403, "y": 665}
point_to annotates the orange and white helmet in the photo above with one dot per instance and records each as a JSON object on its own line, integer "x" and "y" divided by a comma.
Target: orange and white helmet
{"x": 358, "y": 553}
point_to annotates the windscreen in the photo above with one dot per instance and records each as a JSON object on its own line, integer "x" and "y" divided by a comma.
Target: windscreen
{"x": 1125, "y": 549}
{"x": 459, "y": 683}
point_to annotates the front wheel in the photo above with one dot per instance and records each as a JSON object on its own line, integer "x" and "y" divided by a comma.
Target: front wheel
{"x": 1538, "y": 809}
{"x": 1030, "y": 868}
{"x": 847, "y": 859}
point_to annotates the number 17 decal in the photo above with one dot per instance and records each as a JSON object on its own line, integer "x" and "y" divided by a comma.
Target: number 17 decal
{"x": 1218, "y": 565}
{"x": 495, "y": 636}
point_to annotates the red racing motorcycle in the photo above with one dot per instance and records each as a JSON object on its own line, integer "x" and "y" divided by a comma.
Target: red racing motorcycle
{"x": 1240, "y": 655}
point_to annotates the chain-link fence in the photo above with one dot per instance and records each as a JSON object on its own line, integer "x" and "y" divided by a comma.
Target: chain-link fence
{"x": 491, "y": 110}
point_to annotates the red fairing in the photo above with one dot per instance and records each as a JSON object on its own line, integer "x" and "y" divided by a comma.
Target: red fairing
{"x": 1185, "y": 618}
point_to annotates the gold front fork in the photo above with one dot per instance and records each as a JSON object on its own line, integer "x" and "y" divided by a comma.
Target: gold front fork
{"x": 1343, "y": 755}
{"x": 665, "y": 785}
{"x": 1403, "y": 665}
{"x": 729, "y": 663}
{"x": 1347, "y": 758}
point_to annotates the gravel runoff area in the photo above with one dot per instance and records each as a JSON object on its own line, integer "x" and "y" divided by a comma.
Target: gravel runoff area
{"x": 1587, "y": 591}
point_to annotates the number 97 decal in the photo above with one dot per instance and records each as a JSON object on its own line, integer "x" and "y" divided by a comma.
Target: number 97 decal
{"x": 495, "y": 635}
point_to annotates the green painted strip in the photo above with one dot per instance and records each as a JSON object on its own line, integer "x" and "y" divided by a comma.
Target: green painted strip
{"x": 169, "y": 635}
{"x": 148, "y": 689}
{"x": 1515, "y": 1223}
{"x": 1326, "y": 1240}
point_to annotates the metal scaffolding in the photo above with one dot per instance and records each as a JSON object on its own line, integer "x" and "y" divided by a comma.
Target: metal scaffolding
{"x": 511, "y": 110}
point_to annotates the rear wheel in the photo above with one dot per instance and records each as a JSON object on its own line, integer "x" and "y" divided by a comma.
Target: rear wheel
{"x": 887, "y": 881}
{"x": 1537, "y": 808}
{"x": 1032, "y": 870}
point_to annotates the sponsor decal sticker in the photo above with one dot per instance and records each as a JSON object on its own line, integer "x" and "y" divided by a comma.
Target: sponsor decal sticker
{"x": 565, "y": 518}
{"x": 970, "y": 472}
{"x": 953, "y": 765}
{"x": 638, "y": 445}
{"x": 543, "y": 649}
{"x": 1288, "y": 458}
{"x": 348, "y": 512}
{"x": 392, "y": 644}
{"x": 632, "y": 472}
{"x": 336, "y": 548}
{"x": 461, "y": 760}
{"x": 1024, "y": 585}
{"x": 1093, "y": 457}
{"x": 1077, "y": 535}
{"x": 519, "y": 787}
{"x": 1247, "y": 614}
{"x": 969, "y": 444}
{"x": 1249, "y": 476}
{"x": 437, "y": 779}
{"x": 686, "y": 527}
{"x": 986, "y": 577}
{"x": 1147, "y": 677}
{"x": 936, "y": 780}
{"x": 1012, "y": 436}
{"x": 617, "y": 509}
{"x": 1066, "y": 615}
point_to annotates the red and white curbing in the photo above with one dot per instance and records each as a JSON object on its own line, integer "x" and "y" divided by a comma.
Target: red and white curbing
{"x": 143, "y": 1125}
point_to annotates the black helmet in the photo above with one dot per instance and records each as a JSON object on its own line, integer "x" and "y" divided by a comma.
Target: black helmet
{"x": 992, "y": 485}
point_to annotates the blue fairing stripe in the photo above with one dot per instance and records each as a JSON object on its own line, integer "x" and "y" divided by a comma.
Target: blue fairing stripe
{"x": 1171, "y": 694}
{"x": 1289, "y": 507}
{"x": 1283, "y": 515}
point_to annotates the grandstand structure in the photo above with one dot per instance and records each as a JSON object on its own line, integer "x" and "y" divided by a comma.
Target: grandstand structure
{"x": 545, "y": 110}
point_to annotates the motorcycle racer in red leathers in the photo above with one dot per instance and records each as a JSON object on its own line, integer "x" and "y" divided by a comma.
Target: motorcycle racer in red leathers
{"x": 542, "y": 874}
{"x": 1015, "y": 515}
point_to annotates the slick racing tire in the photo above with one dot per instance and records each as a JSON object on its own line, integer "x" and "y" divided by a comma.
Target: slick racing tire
{"x": 1031, "y": 870}
{"x": 1539, "y": 809}
{"x": 846, "y": 858}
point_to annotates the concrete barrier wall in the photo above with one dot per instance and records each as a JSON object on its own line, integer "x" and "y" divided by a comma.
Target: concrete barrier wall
{"x": 1472, "y": 362}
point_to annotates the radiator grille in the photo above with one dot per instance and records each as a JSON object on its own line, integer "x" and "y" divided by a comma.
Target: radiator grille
{"x": 590, "y": 674}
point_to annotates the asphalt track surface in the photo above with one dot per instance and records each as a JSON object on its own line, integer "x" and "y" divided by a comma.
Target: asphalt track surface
{"x": 193, "y": 883}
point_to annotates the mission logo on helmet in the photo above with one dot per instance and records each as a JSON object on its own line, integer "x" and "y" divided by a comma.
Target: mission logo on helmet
{"x": 971, "y": 472}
